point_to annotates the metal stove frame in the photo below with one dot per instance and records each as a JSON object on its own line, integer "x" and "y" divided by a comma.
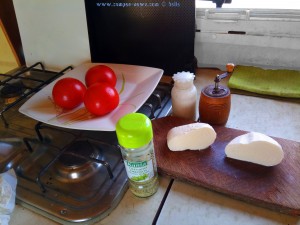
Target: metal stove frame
{"x": 157, "y": 105}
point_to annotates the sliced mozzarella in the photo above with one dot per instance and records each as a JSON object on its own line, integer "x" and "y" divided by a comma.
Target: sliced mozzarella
{"x": 256, "y": 148}
{"x": 195, "y": 136}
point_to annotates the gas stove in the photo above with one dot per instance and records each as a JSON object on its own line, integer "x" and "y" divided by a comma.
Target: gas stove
{"x": 70, "y": 176}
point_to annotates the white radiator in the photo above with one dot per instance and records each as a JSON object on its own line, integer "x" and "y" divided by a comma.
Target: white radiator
{"x": 266, "y": 38}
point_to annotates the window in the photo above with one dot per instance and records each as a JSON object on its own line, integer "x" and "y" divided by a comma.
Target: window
{"x": 262, "y": 33}
{"x": 252, "y": 4}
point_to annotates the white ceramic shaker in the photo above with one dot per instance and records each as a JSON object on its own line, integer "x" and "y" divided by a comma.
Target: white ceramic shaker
{"x": 184, "y": 96}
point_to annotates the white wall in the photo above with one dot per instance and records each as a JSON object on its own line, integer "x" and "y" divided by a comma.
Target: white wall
{"x": 53, "y": 31}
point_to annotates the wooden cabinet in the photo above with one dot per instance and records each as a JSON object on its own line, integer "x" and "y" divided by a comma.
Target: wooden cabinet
{"x": 11, "y": 53}
{"x": 8, "y": 57}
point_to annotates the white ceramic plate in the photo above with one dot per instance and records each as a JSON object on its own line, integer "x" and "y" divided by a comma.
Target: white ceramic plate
{"x": 134, "y": 84}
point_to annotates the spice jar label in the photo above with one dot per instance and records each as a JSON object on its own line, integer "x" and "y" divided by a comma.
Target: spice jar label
{"x": 139, "y": 171}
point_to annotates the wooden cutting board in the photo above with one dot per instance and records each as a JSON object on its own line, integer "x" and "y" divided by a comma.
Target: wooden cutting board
{"x": 276, "y": 188}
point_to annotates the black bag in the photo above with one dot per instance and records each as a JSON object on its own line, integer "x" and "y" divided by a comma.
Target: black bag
{"x": 158, "y": 34}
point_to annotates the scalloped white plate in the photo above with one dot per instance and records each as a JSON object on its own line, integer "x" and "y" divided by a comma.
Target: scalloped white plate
{"x": 134, "y": 84}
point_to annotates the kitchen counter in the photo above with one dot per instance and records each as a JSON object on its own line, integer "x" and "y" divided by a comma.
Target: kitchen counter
{"x": 190, "y": 204}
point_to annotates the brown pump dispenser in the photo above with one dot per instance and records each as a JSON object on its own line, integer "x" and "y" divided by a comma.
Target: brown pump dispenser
{"x": 215, "y": 101}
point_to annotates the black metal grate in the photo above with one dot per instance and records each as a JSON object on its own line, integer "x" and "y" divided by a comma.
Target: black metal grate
{"x": 25, "y": 82}
{"x": 159, "y": 103}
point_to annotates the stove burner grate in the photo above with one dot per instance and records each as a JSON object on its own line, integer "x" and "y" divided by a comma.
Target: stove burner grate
{"x": 82, "y": 158}
{"x": 79, "y": 153}
{"x": 24, "y": 76}
{"x": 11, "y": 91}
{"x": 85, "y": 178}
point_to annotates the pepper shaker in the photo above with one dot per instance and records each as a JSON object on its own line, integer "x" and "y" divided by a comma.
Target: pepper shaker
{"x": 215, "y": 101}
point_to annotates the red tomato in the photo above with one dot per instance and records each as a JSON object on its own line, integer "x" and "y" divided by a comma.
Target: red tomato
{"x": 68, "y": 92}
{"x": 100, "y": 73}
{"x": 101, "y": 99}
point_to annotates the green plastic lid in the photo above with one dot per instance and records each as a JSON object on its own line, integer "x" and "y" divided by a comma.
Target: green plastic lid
{"x": 134, "y": 130}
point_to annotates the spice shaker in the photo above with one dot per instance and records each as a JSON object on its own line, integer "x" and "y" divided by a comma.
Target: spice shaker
{"x": 135, "y": 136}
{"x": 215, "y": 101}
{"x": 184, "y": 96}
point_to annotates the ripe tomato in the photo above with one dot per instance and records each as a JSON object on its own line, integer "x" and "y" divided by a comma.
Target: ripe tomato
{"x": 100, "y": 73}
{"x": 101, "y": 99}
{"x": 68, "y": 92}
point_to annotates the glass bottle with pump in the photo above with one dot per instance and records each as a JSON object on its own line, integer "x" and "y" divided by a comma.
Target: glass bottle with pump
{"x": 135, "y": 136}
